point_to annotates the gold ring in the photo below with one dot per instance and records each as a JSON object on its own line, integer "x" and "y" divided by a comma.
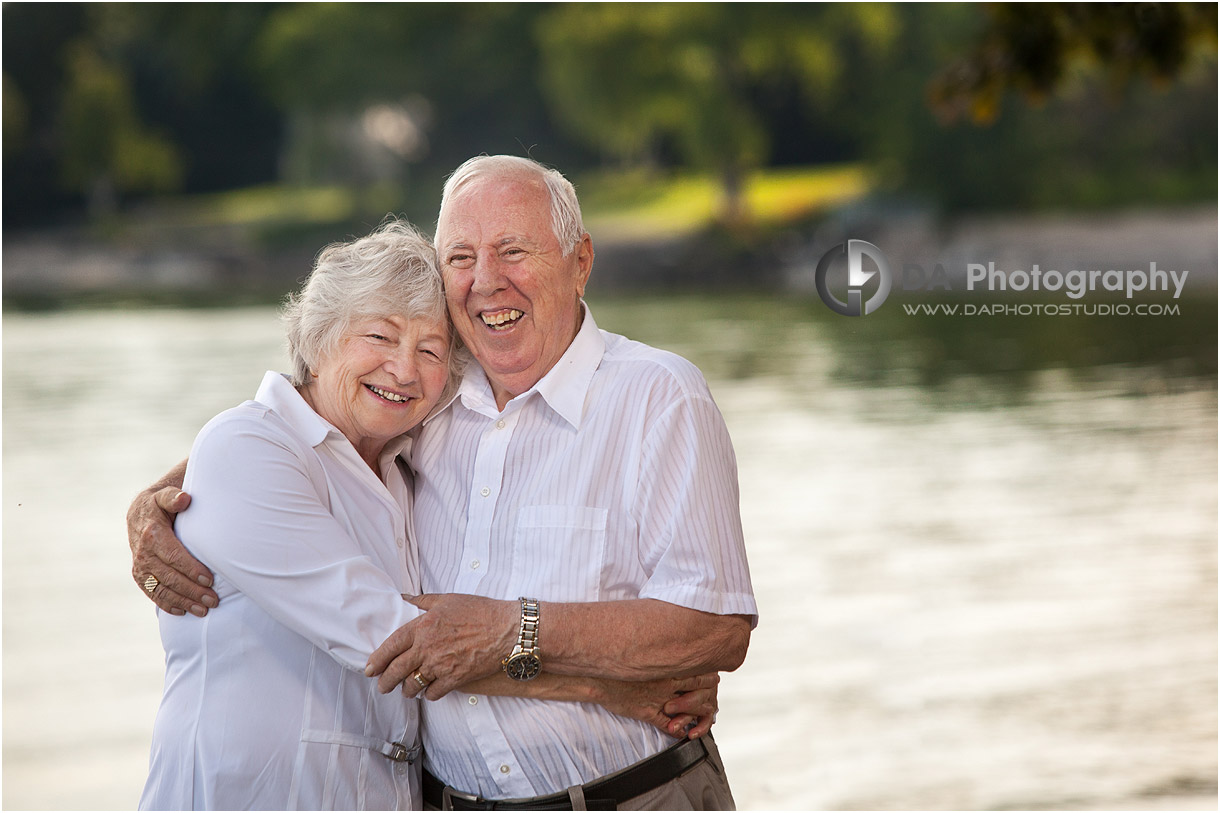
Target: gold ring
{"x": 150, "y": 584}
{"x": 418, "y": 678}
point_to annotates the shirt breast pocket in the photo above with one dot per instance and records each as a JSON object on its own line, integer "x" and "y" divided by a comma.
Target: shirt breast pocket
{"x": 559, "y": 551}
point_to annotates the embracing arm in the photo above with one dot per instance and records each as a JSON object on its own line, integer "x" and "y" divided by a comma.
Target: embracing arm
{"x": 690, "y": 543}
{"x": 259, "y": 519}
{"x": 462, "y": 638}
{"x": 642, "y": 639}
{"x": 184, "y": 583}
{"x": 680, "y": 707}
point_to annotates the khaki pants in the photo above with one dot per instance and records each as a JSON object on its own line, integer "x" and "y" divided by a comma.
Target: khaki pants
{"x": 703, "y": 787}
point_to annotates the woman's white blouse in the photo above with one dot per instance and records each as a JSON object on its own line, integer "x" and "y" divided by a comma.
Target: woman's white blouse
{"x": 266, "y": 705}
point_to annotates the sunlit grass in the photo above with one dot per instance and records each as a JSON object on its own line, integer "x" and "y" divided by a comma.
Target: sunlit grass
{"x": 780, "y": 196}
{"x": 618, "y": 205}
{"x": 640, "y": 205}
{"x": 275, "y": 204}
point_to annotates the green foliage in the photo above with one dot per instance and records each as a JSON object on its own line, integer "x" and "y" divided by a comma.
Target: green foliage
{"x": 1032, "y": 49}
{"x": 327, "y": 56}
{"x": 463, "y": 71}
{"x": 1084, "y": 105}
{"x": 634, "y": 79}
{"x": 1092, "y": 143}
{"x": 16, "y": 117}
{"x": 106, "y": 148}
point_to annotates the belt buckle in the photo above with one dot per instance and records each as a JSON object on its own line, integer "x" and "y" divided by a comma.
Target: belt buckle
{"x": 401, "y": 753}
{"x": 477, "y": 802}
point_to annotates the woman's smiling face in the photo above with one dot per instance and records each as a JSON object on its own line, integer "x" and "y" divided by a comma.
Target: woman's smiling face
{"x": 384, "y": 377}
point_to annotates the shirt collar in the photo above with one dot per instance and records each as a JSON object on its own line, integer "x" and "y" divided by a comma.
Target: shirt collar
{"x": 277, "y": 392}
{"x": 565, "y": 385}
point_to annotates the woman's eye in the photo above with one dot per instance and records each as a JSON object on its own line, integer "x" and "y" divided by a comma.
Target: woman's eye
{"x": 378, "y": 337}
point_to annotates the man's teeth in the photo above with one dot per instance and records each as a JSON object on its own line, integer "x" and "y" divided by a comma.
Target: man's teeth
{"x": 501, "y": 318}
{"x": 389, "y": 396}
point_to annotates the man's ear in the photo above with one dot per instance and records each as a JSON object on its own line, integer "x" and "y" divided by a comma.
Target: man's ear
{"x": 584, "y": 259}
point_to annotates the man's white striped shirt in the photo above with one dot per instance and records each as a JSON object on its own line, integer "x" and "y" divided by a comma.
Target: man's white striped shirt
{"x": 612, "y": 478}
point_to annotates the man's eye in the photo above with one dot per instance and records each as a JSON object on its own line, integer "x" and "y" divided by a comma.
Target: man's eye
{"x": 378, "y": 337}
{"x": 460, "y": 260}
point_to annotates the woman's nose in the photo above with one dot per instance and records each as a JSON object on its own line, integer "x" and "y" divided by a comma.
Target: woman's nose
{"x": 401, "y": 364}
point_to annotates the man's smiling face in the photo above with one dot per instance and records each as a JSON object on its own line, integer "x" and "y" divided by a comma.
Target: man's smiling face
{"x": 513, "y": 295}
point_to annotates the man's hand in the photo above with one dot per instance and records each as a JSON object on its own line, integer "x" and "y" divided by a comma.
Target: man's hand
{"x": 681, "y": 707}
{"x": 183, "y": 583}
{"x": 458, "y": 640}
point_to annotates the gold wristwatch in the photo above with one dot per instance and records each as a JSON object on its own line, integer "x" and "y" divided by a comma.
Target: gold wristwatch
{"x": 523, "y": 663}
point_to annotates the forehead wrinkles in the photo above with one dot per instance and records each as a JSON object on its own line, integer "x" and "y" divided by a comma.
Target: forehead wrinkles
{"x": 494, "y": 210}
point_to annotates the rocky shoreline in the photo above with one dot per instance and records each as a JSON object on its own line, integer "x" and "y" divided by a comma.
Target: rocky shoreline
{"x": 67, "y": 266}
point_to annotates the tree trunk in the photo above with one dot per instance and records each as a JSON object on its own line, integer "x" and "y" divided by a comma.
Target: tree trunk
{"x": 733, "y": 188}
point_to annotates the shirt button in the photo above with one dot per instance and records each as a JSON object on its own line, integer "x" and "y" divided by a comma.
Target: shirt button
{"x": 499, "y": 424}
{"x": 474, "y": 564}
{"x": 472, "y": 700}
{"x": 485, "y": 491}
{"x": 504, "y": 769}
{"x": 400, "y": 541}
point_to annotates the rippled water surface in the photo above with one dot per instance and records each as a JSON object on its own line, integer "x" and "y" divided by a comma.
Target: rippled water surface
{"x": 985, "y": 562}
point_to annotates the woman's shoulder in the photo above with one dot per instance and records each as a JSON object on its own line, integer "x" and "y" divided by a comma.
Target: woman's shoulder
{"x": 250, "y": 425}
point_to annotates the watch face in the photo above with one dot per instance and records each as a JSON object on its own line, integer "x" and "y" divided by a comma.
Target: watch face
{"x": 523, "y": 666}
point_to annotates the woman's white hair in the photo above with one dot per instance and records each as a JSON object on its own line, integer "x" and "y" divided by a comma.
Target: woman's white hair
{"x": 390, "y": 272}
{"x": 566, "y": 221}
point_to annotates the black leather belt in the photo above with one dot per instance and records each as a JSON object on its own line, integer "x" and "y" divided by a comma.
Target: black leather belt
{"x": 600, "y": 794}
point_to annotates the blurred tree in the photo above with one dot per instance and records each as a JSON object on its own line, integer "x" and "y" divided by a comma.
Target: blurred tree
{"x": 34, "y": 36}
{"x": 16, "y": 117}
{"x": 466, "y": 71}
{"x": 179, "y": 71}
{"x": 106, "y": 149}
{"x": 1032, "y": 48}
{"x": 1093, "y": 142}
{"x": 192, "y": 72}
{"x": 630, "y": 78}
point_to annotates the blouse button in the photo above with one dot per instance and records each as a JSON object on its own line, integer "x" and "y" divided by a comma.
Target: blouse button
{"x": 499, "y": 424}
{"x": 504, "y": 769}
{"x": 472, "y": 700}
{"x": 485, "y": 491}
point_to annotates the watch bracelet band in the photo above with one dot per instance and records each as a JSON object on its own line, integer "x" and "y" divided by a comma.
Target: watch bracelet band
{"x": 527, "y": 637}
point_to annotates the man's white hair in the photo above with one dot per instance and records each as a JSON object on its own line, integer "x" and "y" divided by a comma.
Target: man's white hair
{"x": 566, "y": 221}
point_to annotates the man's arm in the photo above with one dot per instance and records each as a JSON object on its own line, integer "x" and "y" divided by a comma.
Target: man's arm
{"x": 462, "y": 638}
{"x": 642, "y": 639}
{"x": 680, "y": 707}
{"x": 184, "y": 583}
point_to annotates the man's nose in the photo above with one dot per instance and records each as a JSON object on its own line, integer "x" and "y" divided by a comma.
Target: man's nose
{"x": 488, "y": 275}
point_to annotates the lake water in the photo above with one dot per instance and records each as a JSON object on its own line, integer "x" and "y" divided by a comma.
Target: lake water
{"x": 985, "y": 558}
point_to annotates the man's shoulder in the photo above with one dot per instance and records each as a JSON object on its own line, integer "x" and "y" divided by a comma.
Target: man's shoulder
{"x": 650, "y": 365}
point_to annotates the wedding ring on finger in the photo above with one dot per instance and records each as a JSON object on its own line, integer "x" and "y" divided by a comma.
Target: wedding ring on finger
{"x": 150, "y": 584}
{"x": 418, "y": 678}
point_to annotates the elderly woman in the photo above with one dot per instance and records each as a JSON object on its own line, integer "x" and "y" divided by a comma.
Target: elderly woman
{"x": 301, "y": 508}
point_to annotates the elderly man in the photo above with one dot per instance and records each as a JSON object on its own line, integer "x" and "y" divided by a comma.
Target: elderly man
{"x": 577, "y": 511}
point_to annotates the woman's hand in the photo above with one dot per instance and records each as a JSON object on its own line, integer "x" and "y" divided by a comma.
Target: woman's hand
{"x": 681, "y": 707}
{"x": 181, "y": 583}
